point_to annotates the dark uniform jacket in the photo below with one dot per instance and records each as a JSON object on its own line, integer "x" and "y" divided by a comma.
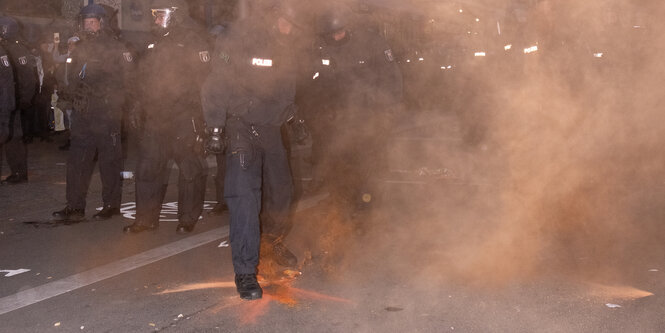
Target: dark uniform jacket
{"x": 170, "y": 75}
{"x": 98, "y": 71}
{"x": 7, "y": 94}
{"x": 25, "y": 73}
{"x": 359, "y": 71}
{"x": 253, "y": 77}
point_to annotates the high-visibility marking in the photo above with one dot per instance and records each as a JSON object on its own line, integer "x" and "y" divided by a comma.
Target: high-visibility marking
{"x": 262, "y": 62}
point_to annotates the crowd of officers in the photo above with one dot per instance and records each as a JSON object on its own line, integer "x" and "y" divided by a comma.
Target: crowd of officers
{"x": 187, "y": 99}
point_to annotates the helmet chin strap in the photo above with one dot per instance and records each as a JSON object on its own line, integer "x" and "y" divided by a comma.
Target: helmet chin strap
{"x": 90, "y": 35}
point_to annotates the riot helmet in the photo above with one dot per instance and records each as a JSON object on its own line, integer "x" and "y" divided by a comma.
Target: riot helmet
{"x": 92, "y": 20}
{"x": 332, "y": 21}
{"x": 166, "y": 13}
{"x": 287, "y": 10}
{"x": 284, "y": 13}
{"x": 8, "y": 28}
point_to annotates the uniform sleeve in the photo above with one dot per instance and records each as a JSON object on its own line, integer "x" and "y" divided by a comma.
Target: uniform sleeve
{"x": 27, "y": 79}
{"x": 7, "y": 96}
{"x": 216, "y": 89}
{"x": 127, "y": 68}
{"x": 202, "y": 63}
{"x": 130, "y": 69}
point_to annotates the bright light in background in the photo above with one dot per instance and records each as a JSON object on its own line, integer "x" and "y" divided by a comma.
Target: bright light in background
{"x": 508, "y": 47}
{"x": 598, "y": 55}
{"x": 421, "y": 59}
{"x": 480, "y": 54}
{"x": 477, "y": 19}
{"x": 461, "y": 11}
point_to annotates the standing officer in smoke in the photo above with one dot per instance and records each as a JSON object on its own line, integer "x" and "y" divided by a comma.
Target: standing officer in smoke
{"x": 170, "y": 76}
{"x": 360, "y": 90}
{"x": 98, "y": 69}
{"x": 246, "y": 99}
{"x": 25, "y": 76}
{"x": 7, "y": 98}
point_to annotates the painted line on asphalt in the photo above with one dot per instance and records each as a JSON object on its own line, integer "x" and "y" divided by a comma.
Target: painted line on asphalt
{"x": 76, "y": 281}
{"x": 56, "y": 288}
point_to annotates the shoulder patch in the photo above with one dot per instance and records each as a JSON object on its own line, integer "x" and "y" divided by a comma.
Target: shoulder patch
{"x": 204, "y": 56}
{"x": 128, "y": 56}
{"x": 5, "y": 61}
{"x": 224, "y": 56}
{"x": 389, "y": 55}
{"x": 23, "y": 60}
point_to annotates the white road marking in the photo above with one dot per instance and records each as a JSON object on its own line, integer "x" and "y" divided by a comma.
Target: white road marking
{"x": 76, "y": 281}
{"x": 52, "y": 289}
{"x": 12, "y": 272}
{"x": 169, "y": 212}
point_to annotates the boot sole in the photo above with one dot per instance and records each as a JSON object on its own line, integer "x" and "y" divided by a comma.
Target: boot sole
{"x": 253, "y": 295}
{"x": 69, "y": 219}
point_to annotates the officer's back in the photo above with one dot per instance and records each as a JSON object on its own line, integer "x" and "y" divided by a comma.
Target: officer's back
{"x": 256, "y": 70}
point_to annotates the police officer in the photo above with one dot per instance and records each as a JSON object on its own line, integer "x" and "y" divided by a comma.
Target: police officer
{"x": 98, "y": 70}
{"x": 170, "y": 76}
{"x": 247, "y": 98}
{"x": 361, "y": 91}
{"x": 25, "y": 76}
{"x": 7, "y": 97}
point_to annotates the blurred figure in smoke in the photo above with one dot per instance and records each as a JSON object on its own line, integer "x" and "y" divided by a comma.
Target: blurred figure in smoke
{"x": 361, "y": 87}
{"x": 7, "y": 99}
{"x": 246, "y": 99}
{"x": 170, "y": 118}
{"x": 25, "y": 77}
{"x": 97, "y": 69}
{"x": 61, "y": 76}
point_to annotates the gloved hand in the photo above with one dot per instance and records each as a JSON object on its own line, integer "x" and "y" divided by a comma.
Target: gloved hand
{"x": 214, "y": 141}
{"x": 297, "y": 125}
{"x": 300, "y": 131}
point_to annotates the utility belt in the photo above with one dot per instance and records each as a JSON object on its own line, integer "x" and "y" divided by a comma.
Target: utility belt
{"x": 244, "y": 139}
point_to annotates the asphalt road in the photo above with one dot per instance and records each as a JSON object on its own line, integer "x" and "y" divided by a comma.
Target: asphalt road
{"x": 418, "y": 262}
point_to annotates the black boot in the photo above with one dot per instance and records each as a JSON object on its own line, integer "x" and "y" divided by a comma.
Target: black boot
{"x": 248, "y": 287}
{"x": 106, "y": 213}
{"x": 16, "y": 178}
{"x": 183, "y": 228}
{"x": 69, "y": 214}
{"x": 137, "y": 227}
{"x": 219, "y": 209}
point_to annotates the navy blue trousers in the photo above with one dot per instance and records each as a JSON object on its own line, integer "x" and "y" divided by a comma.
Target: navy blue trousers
{"x": 258, "y": 190}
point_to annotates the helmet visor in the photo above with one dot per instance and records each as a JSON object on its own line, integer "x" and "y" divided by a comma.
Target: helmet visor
{"x": 163, "y": 16}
